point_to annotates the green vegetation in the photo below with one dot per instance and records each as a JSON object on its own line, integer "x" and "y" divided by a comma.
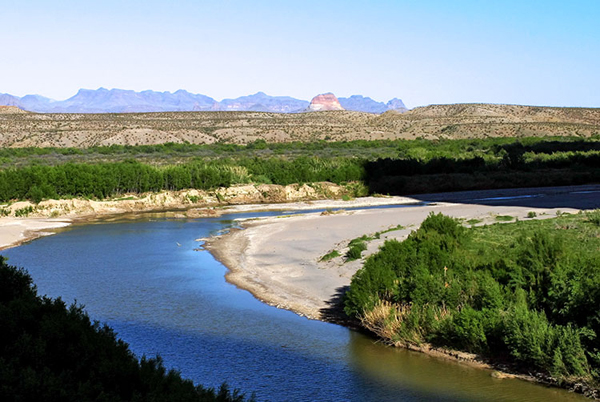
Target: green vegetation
{"x": 331, "y": 255}
{"x": 125, "y": 198}
{"x": 51, "y": 352}
{"x": 526, "y": 292}
{"x": 356, "y": 247}
{"x": 384, "y": 167}
{"x": 22, "y": 212}
{"x": 170, "y": 153}
{"x": 593, "y": 217}
{"x": 504, "y": 218}
{"x": 105, "y": 180}
{"x": 531, "y": 214}
{"x": 454, "y": 165}
{"x": 193, "y": 198}
{"x": 355, "y": 251}
{"x": 558, "y": 150}
{"x": 377, "y": 235}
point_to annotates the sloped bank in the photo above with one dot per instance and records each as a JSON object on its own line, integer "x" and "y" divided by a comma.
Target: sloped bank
{"x": 23, "y": 221}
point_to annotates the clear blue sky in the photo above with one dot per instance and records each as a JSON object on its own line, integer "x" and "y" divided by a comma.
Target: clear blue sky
{"x": 424, "y": 52}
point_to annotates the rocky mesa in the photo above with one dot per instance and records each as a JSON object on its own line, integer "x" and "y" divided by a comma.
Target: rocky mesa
{"x": 323, "y": 102}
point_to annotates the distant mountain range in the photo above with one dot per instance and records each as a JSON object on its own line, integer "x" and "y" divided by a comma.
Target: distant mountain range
{"x": 127, "y": 101}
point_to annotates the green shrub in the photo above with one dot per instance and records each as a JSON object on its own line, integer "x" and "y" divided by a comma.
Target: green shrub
{"x": 532, "y": 340}
{"x": 593, "y": 217}
{"x": 331, "y": 255}
{"x": 524, "y": 290}
{"x": 193, "y": 198}
{"x": 466, "y": 331}
{"x": 355, "y": 250}
{"x": 24, "y": 212}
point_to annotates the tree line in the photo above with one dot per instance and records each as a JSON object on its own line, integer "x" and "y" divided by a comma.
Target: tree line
{"x": 104, "y": 180}
{"x": 418, "y": 166}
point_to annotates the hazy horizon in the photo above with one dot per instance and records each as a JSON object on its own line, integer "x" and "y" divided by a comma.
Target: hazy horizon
{"x": 194, "y": 93}
{"x": 432, "y": 52}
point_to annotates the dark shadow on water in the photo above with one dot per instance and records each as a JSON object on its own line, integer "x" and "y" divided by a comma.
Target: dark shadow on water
{"x": 334, "y": 312}
{"x": 579, "y": 197}
{"x": 273, "y": 372}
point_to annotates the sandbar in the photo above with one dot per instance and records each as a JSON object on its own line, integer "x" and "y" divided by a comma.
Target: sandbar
{"x": 15, "y": 231}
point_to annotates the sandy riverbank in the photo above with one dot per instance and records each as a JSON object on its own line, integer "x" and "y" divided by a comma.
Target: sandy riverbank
{"x": 14, "y": 231}
{"x": 277, "y": 259}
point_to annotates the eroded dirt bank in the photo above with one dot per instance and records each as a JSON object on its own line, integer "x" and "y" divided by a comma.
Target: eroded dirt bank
{"x": 23, "y": 221}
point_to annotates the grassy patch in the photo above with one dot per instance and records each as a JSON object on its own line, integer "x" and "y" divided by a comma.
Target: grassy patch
{"x": 504, "y": 218}
{"x": 356, "y": 247}
{"x": 474, "y": 221}
{"x": 359, "y": 240}
{"x": 331, "y": 255}
{"x": 131, "y": 197}
{"x": 377, "y": 235}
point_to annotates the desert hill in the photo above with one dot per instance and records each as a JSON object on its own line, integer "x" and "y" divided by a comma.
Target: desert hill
{"x": 11, "y": 110}
{"x": 514, "y": 113}
{"x": 432, "y": 122}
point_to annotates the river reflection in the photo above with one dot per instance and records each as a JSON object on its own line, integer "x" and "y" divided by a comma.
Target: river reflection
{"x": 144, "y": 279}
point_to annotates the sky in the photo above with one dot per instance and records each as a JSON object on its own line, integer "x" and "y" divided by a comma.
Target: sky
{"x": 527, "y": 52}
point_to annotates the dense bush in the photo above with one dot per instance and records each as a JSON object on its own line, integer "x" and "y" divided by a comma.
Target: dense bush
{"x": 524, "y": 291}
{"x": 355, "y": 249}
{"x": 53, "y": 352}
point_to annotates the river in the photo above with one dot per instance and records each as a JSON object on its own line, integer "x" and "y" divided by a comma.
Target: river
{"x": 144, "y": 278}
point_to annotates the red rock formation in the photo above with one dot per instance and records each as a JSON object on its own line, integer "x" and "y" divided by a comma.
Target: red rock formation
{"x": 326, "y": 101}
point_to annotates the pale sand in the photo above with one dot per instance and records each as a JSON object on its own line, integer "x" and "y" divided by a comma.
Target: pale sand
{"x": 14, "y": 231}
{"x": 277, "y": 259}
